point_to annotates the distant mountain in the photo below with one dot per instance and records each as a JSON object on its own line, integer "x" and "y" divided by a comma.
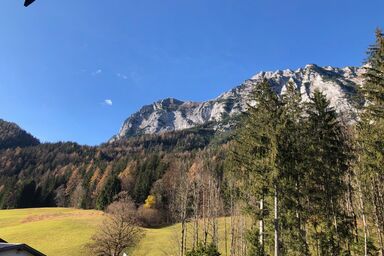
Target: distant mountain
{"x": 172, "y": 114}
{"x": 12, "y": 136}
{"x": 173, "y": 133}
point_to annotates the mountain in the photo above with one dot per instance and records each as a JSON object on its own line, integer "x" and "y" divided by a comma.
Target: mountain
{"x": 145, "y": 161}
{"x": 173, "y": 115}
{"x": 12, "y": 136}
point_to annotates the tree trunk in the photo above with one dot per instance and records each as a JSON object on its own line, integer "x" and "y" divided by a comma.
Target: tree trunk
{"x": 204, "y": 208}
{"x": 182, "y": 238}
{"x": 196, "y": 210}
{"x": 232, "y": 252}
{"x": 351, "y": 205}
{"x": 261, "y": 225}
{"x": 225, "y": 236}
{"x": 243, "y": 250}
{"x": 365, "y": 228}
{"x": 377, "y": 220}
{"x": 276, "y": 224}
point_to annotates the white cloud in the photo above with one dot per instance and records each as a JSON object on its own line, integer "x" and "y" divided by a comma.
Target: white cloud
{"x": 108, "y": 102}
{"x": 97, "y": 72}
{"x": 122, "y": 76}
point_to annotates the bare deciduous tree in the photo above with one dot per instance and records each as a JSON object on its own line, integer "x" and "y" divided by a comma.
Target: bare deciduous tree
{"x": 118, "y": 232}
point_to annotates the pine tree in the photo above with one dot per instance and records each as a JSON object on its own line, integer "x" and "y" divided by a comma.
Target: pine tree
{"x": 373, "y": 87}
{"x": 327, "y": 158}
{"x": 370, "y": 139}
{"x": 112, "y": 188}
{"x": 291, "y": 142}
{"x": 254, "y": 156}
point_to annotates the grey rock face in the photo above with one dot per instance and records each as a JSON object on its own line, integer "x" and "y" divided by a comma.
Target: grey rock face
{"x": 172, "y": 114}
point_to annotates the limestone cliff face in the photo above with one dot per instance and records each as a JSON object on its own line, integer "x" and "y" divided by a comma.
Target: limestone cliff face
{"x": 172, "y": 114}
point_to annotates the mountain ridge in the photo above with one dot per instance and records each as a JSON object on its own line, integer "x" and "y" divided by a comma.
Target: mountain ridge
{"x": 69, "y": 174}
{"x": 12, "y": 136}
{"x": 171, "y": 114}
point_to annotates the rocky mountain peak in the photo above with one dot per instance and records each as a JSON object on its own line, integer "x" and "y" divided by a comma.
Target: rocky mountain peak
{"x": 169, "y": 104}
{"x": 171, "y": 114}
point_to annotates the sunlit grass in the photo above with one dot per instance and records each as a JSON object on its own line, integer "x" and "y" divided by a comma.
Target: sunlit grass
{"x": 65, "y": 231}
{"x": 53, "y": 231}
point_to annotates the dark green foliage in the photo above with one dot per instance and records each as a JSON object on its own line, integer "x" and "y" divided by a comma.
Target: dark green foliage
{"x": 327, "y": 158}
{"x": 304, "y": 157}
{"x": 111, "y": 189}
{"x": 201, "y": 250}
{"x": 189, "y": 139}
{"x": 290, "y": 159}
{"x": 52, "y": 166}
{"x": 255, "y": 142}
{"x": 150, "y": 170}
{"x": 12, "y": 136}
{"x": 253, "y": 159}
{"x": 29, "y": 196}
{"x": 255, "y": 249}
{"x": 370, "y": 140}
{"x": 357, "y": 248}
{"x": 373, "y": 88}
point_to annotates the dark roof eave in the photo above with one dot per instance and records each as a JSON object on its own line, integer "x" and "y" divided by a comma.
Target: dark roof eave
{"x": 21, "y": 247}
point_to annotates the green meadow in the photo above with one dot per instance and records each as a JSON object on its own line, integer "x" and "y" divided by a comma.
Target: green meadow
{"x": 53, "y": 231}
{"x": 65, "y": 231}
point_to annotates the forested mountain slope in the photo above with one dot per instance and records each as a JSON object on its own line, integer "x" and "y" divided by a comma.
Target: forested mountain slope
{"x": 11, "y": 136}
{"x": 152, "y": 144}
{"x": 67, "y": 174}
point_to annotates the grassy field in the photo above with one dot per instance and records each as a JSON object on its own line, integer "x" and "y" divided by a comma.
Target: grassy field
{"x": 163, "y": 241}
{"x": 64, "y": 231}
{"x": 53, "y": 231}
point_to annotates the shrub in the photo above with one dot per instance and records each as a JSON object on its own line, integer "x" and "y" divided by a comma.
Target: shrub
{"x": 149, "y": 217}
{"x": 201, "y": 250}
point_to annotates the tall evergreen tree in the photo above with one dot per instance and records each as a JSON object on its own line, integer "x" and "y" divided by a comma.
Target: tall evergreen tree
{"x": 255, "y": 169}
{"x": 370, "y": 140}
{"x": 291, "y": 144}
{"x": 373, "y": 87}
{"x": 327, "y": 159}
{"x": 111, "y": 189}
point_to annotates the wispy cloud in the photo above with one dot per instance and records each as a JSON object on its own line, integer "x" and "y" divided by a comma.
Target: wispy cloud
{"x": 97, "y": 72}
{"x": 122, "y": 76}
{"x": 108, "y": 102}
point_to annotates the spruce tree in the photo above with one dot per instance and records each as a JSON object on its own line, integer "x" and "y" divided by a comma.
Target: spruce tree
{"x": 254, "y": 158}
{"x": 291, "y": 144}
{"x": 327, "y": 158}
{"x": 373, "y": 87}
{"x": 370, "y": 139}
{"x": 111, "y": 189}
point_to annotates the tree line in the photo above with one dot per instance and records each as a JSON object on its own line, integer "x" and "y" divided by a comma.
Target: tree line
{"x": 297, "y": 178}
{"x": 294, "y": 178}
{"x": 310, "y": 181}
{"x": 66, "y": 174}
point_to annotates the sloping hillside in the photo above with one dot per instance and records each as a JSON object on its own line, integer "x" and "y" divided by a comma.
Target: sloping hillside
{"x": 71, "y": 175}
{"x": 53, "y": 231}
{"x": 65, "y": 231}
{"x": 12, "y": 136}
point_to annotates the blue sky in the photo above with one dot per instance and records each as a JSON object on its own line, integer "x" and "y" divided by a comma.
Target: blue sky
{"x": 61, "y": 60}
